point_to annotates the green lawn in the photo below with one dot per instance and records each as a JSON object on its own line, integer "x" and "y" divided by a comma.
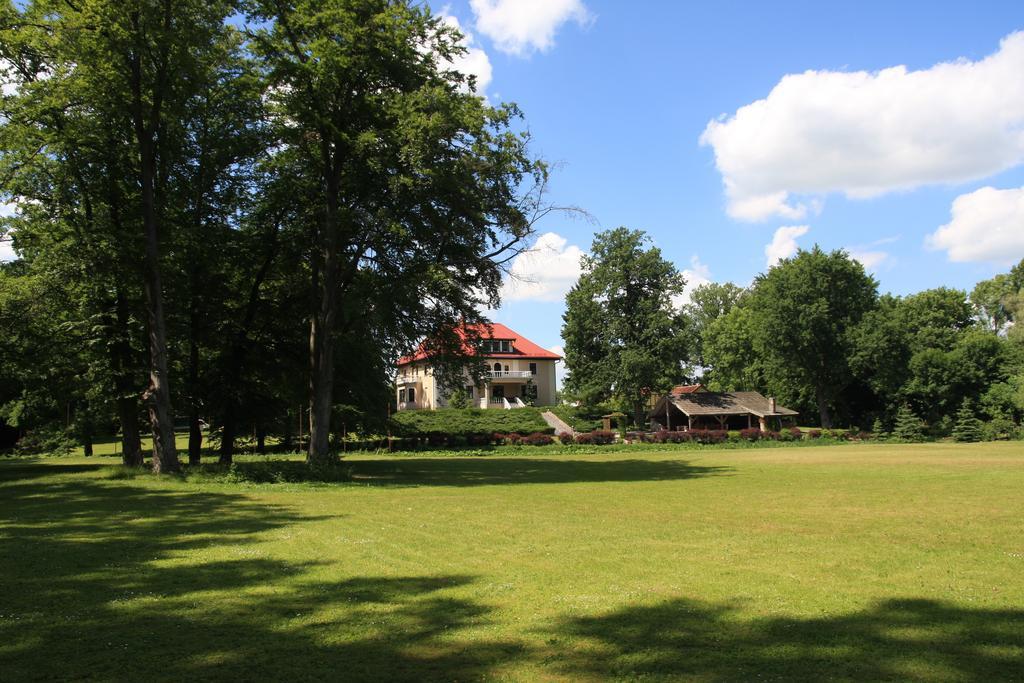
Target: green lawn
{"x": 861, "y": 562}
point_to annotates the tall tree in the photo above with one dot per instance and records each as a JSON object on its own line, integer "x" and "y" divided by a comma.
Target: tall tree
{"x": 708, "y": 303}
{"x": 412, "y": 181}
{"x": 802, "y": 312}
{"x": 623, "y": 335}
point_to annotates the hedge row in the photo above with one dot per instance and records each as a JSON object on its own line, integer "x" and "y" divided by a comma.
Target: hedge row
{"x": 751, "y": 434}
{"x": 469, "y": 422}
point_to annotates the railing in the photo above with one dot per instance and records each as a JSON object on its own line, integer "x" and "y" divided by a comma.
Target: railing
{"x": 509, "y": 374}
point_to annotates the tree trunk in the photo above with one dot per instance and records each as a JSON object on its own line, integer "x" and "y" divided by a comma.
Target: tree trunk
{"x": 195, "y": 434}
{"x": 131, "y": 441}
{"x": 195, "y": 437}
{"x": 322, "y": 324}
{"x": 227, "y": 435}
{"x": 157, "y": 395}
{"x": 639, "y": 415}
{"x": 826, "y": 416}
{"x": 261, "y": 439}
{"x": 124, "y": 385}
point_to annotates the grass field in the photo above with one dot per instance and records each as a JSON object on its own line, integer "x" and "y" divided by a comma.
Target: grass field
{"x": 861, "y": 562}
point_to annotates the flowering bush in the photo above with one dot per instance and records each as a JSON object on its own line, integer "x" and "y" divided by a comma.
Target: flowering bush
{"x": 598, "y": 437}
{"x": 750, "y": 434}
{"x": 566, "y": 437}
{"x": 510, "y": 439}
{"x": 537, "y": 439}
{"x": 709, "y": 435}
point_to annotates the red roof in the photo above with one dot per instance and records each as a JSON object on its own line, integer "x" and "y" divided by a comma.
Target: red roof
{"x": 687, "y": 389}
{"x": 523, "y": 347}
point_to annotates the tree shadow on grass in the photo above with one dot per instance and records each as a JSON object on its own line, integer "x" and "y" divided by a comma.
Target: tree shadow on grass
{"x": 906, "y": 639}
{"x": 454, "y": 471}
{"x": 120, "y": 581}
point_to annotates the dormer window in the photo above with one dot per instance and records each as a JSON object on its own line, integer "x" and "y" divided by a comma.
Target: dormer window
{"x": 497, "y": 346}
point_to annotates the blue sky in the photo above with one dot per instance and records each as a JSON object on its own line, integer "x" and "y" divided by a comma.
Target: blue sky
{"x": 856, "y": 154}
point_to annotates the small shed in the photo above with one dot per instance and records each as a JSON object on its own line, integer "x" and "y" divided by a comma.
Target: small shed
{"x": 606, "y": 420}
{"x": 718, "y": 410}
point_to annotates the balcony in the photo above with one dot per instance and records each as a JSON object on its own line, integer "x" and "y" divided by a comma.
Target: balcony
{"x": 509, "y": 374}
{"x": 508, "y": 403}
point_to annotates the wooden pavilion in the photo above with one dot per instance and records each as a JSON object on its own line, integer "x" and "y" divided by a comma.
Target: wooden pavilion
{"x": 718, "y": 410}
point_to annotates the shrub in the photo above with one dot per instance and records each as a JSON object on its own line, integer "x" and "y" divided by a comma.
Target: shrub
{"x": 537, "y": 439}
{"x": 709, "y": 436}
{"x": 602, "y": 437}
{"x": 510, "y": 439}
{"x": 796, "y": 433}
{"x": 416, "y": 423}
{"x": 968, "y": 427}
{"x": 635, "y": 437}
{"x": 459, "y": 399}
{"x": 437, "y": 438}
{"x": 584, "y": 438}
{"x": 908, "y": 425}
{"x": 814, "y": 434}
{"x": 750, "y": 434}
{"x": 999, "y": 427}
{"x": 566, "y": 437}
{"x": 771, "y": 435}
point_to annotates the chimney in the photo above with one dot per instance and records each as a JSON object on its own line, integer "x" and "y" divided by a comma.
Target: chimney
{"x": 771, "y": 404}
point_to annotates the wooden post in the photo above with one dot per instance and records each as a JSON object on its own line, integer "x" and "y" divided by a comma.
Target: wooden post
{"x": 689, "y": 422}
{"x": 668, "y": 415}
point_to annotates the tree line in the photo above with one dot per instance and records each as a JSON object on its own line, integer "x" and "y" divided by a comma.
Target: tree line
{"x": 812, "y": 331}
{"x": 240, "y": 212}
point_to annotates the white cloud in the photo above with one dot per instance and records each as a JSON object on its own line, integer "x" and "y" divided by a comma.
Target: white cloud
{"x": 474, "y": 62}
{"x": 545, "y": 272}
{"x": 871, "y": 260}
{"x": 783, "y": 244}
{"x": 696, "y": 275}
{"x": 521, "y": 27}
{"x": 986, "y": 225}
{"x": 867, "y": 133}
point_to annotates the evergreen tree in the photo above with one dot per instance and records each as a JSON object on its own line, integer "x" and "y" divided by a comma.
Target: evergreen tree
{"x": 968, "y": 426}
{"x": 908, "y": 425}
{"x": 878, "y": 427}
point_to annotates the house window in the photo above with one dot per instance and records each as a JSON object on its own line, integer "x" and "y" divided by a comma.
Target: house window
{"x": 412, "y": 395}
{"x": 533, "y": 368}
{"x": 506, "y": 368}
{"x": 401, "y": 395}
{"x": 504, "y": 347}
{"x": 469, "y": 391}
{"x": 497, "y": 367}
